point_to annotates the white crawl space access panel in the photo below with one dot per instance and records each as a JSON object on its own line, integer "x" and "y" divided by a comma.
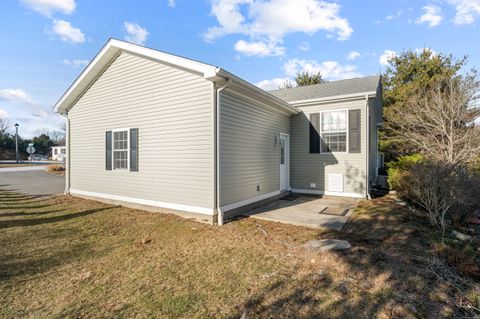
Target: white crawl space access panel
{"x": 335, "y": 182}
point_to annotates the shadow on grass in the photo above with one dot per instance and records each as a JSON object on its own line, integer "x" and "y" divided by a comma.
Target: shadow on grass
{"x": 384, "y": 274}
{"x": 15, "y": 196}
{"x": 24, "y": 206}
{"x": 15, "y": 214}
{"x": 20, "y": 199}
{"x": 27, "y": 200}
{"x": 13, "y": 266}
{"x": 43, "y": 258}
{"x": 6, "y": 201}
{"x": 48, "y": 220}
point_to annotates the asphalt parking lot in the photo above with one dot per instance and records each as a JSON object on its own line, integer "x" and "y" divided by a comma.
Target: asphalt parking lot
{"x": 32, "y": 182}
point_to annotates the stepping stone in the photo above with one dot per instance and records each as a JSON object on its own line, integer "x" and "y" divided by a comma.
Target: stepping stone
{"x": 326, "y": 244}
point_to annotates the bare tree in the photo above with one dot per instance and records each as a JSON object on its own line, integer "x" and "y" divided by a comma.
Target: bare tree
{"x": 4, "y": 126}
{"x": 57, "y": 136}
{"x": 43, "y": 131}
{"x": 430, "y": 187}
{"x": 442, "y": 120}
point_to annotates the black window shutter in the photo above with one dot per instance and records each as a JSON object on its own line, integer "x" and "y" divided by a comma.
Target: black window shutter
{"x": 315, "y": 133}
{"x": 108, "y": 150}
{"x": 354, "y": 132}
{"x": 134, "y": 149}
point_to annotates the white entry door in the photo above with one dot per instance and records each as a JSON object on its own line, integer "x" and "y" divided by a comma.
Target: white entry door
{"x": 284, "y": 161}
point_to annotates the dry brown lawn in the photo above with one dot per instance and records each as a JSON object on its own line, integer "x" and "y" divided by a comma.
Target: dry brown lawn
{"x": 64, "y": 257}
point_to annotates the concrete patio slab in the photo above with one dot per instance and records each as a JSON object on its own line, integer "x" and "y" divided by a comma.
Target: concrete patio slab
{"x": 308, "y": 211}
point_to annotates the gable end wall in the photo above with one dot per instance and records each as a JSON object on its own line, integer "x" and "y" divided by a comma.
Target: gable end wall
{"x": 173, "y": 111}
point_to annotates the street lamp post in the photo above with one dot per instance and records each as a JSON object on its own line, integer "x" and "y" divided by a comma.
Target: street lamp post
{"x": 16, "y": 142}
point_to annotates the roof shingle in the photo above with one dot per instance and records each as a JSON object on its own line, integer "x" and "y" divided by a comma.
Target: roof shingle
{"x": 328, "y": 89}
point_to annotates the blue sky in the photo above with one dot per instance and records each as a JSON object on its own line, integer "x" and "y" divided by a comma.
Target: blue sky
{"x": 47, "y": 43}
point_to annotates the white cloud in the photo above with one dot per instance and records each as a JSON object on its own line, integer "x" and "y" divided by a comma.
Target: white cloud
{"x": 16, "y": 96}
{"x": 75, "y": 63}
{"x": 67, "y": 32}
{"x": 304, "y": 46}
{"x": 394, "y": 16}
{"x": 432, "y": 15}
{"x": 353, "y": 55}
{"x": 330, "y": 70}
{"x": 135, "y": 33}
{"x": 387, "y": 55}
{"x": 22, "y": 109}
{"x": 171, "y": 3}
{"x": 3, "y": 114}
{"x": 467, "y": 11}
{"x": 40, "y": 114}
{"x": 48, "y": 7}
{"x": 269, "y": 21}
{"x": 397, "y": 14}
{"x": 259, "y": 48}
{"x": 269, "y": 85}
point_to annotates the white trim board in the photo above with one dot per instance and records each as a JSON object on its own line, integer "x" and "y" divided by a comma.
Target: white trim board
{"x": 317, "y": 192}
{"x": 248, "y": 201}
{"x": 148, "y": 202}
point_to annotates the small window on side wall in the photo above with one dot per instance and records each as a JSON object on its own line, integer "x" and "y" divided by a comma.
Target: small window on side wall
{"x": 334, "y": 131}
{"x": 121, "y": 148}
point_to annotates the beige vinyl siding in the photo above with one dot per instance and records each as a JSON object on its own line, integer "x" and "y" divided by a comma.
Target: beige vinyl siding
{"x": 173, "y": 111}
{"x": 249, "y": 155}
{"x": 309, "y": 168}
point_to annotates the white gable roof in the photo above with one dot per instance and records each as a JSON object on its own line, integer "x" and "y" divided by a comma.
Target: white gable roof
{"x": 114, "y": 47}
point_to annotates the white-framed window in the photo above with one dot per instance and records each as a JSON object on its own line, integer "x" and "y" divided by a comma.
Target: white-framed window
{"x": 55, "y": 151}
{"x": 63, "y": 151}
{"x": 120, "y": 149}
{"x": 333, "y": 131}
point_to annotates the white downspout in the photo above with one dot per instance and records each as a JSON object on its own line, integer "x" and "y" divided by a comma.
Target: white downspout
{"x": 368, "y": 148}
{"x": 219, "y": 211}
{"x": 67, "y": 155}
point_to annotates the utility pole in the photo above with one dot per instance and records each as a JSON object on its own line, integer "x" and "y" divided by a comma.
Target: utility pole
{"x": 16, "y": 142}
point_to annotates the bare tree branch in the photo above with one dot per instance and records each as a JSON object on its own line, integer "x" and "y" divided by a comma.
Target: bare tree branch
{"x": 440, "y": 120}
{"x": 4, "y": 126}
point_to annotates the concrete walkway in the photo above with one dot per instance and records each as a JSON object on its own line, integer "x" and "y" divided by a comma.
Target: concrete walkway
{"x": 308, "y": 211}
